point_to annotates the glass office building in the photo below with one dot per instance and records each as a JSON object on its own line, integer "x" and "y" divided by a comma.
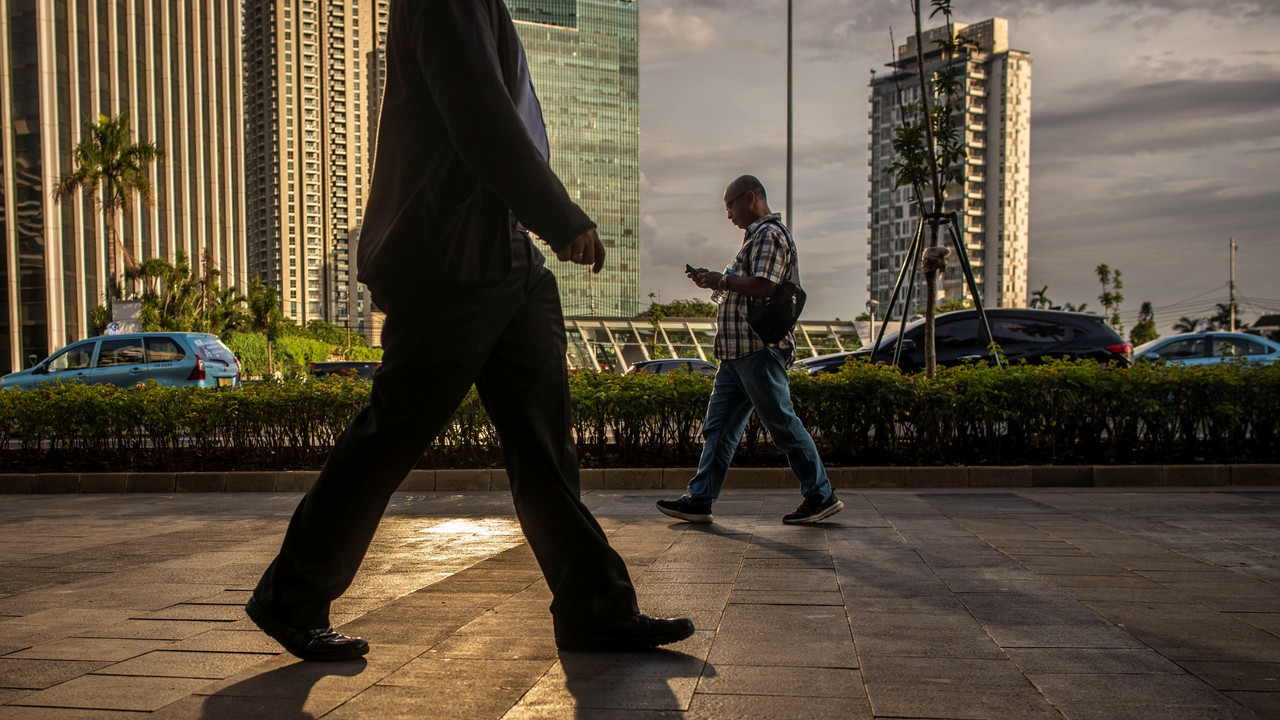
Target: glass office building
{"x": 583, "y": 56}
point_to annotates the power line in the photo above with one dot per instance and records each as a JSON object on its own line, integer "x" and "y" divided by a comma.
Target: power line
{"x": 1184, "y": 309}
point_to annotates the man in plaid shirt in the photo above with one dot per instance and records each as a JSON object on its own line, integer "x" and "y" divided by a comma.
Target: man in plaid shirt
{"x": 752, "y": 374}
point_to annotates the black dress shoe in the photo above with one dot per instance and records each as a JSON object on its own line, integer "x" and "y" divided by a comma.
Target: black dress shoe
{"x": 321, "y": 644}
{"x": 638, "y": 632}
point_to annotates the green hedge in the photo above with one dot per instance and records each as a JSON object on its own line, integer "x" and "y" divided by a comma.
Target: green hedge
{"x": 1060, "y": 413}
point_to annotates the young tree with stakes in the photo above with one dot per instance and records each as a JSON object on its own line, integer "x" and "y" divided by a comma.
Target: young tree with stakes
{"x": 931, "y": 152}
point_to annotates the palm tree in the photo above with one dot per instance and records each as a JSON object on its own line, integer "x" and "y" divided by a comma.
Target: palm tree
{"x": 226, "y": 313}
{"x": 1187, "y": 325}
{"x": 1221, "y": 320}
{"x": 1039, "y": 299}
{"x": 170, "y": 298}
{"x": 113, "y": 168}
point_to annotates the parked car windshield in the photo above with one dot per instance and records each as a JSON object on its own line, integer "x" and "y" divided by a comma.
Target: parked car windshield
{"x": 890, "y": 336}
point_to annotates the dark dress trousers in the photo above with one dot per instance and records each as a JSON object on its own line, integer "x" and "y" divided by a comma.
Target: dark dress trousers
{"x": 468, "y": 301}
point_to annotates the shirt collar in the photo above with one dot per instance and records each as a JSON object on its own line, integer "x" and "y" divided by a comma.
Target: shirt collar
{"x": 763, "y": 219}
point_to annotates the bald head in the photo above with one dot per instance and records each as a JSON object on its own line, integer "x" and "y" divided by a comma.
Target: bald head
{"x": 745, "y": 202}
{"x": 745, "y": 183}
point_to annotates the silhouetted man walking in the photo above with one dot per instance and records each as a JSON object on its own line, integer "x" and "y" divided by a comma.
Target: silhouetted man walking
{"x": 462, "y": 156}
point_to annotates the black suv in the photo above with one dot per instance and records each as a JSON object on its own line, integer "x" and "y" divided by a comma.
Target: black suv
{"x": 1022, "y": 333}
{"x": 352, "y": 368}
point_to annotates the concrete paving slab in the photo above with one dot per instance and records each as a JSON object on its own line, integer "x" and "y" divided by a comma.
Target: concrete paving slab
{"x": 114, "y": 693}
{"x": 1246, "y": 676}
{"x": 14, "y": 712}
{"x": 1132, "y": 695}
{"x": 1263, "y": 704}
{"x": 1091, "y": 661}
{"x": 287, "y": 677}
{"x": 1268, "y": 621}
{"x": 198, "y": 612}
{"x": 227, "y": 641}
{"x": 109, "y": 649}
{"x": 968, "y": 688}
{"x": 9, "y": 695}
{"x": 940, "y": 603}
{"x": 441, "y": 699}
{"x": 786, "y": 597}
{"x": 235, "y": 707}
{"x": 586, "y": 689}
{"x": 782, "y": 681}
{"x": 188, "y": 664}
{"x": 786, "y": 579}
{"x": 551, "y": 712}
{"x": 748, "y": 707}
{"x": 40, "y": 674}
{"x": 795, "y": 635}
{"x": 152, "y": 629}
{"x": 491, "y": 647}
{"x": 692, "y": 575}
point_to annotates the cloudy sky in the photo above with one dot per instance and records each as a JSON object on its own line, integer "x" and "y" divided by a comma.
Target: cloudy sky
{"x": 1155, "y": 138}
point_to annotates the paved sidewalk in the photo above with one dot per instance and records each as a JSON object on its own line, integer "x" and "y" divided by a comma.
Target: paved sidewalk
{"x": 1019, "y": 604}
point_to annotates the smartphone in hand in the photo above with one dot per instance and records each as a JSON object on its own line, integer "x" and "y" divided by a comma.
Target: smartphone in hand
{"x": 690, "y": 269}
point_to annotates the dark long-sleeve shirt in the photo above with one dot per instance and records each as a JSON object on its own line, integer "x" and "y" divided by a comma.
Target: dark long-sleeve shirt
{"x": 455, "y": 161}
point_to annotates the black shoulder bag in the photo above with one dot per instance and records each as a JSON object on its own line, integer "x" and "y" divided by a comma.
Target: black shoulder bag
{"x": 775, "y": 318}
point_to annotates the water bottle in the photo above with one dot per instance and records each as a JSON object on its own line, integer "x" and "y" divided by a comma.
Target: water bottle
{"x": 719, "y": 295}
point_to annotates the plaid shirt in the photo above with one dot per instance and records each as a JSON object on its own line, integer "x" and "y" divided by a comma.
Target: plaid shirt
{"x": 765, "y": 253}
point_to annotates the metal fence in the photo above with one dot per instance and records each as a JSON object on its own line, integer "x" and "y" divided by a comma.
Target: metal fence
{"x": 615, "y": 344}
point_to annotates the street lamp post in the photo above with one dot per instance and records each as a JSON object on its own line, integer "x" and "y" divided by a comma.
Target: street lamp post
{"x": 790, "y": 220}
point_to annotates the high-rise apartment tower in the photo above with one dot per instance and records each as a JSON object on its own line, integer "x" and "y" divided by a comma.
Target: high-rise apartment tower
{"x": 583, "y": 57}
{"x": 313, "y": 81}
{"x": 991, "y": 200}
{"x": 175, "y": 69}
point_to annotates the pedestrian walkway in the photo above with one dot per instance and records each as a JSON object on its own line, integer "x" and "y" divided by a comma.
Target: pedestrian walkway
{"x": 950, "y": 603}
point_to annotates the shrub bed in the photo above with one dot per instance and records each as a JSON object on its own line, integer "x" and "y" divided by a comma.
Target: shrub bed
{"x": 1059, "y": 413}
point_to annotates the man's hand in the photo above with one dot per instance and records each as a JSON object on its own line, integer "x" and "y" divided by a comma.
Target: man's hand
{"x": 750, "y": 286}
{"x": 704, "y": 278}
{"x": 586, "y": 249}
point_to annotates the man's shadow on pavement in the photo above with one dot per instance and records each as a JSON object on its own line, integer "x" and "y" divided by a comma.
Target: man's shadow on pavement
{"x": 280, "y": 694}
{"x": 604, "y": 685}
{"x": 763, "y": 543}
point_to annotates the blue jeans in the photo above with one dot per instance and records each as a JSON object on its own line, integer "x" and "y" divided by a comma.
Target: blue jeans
{"x": 757, "y": 381}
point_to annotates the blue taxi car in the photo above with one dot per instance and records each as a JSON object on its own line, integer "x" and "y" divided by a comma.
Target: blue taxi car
{"x": 176, "y": 359}
{"x": 1210, "y": 348}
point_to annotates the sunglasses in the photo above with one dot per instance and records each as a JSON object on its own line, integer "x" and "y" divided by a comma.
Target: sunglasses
{"x": 728, "y": 204}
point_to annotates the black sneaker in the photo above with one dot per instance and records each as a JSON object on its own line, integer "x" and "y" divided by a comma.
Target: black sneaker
{"x": 811, "y": 512}
{"x": 686, "y": 509}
